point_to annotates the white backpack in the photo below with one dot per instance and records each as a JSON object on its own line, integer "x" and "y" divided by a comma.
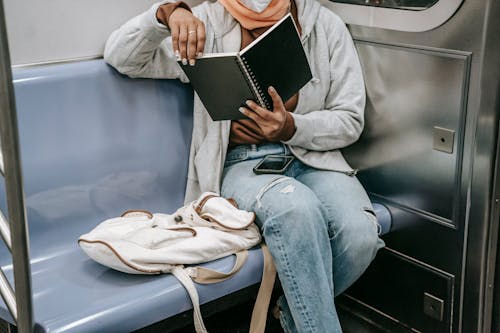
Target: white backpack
{"x": 209, "y": 228}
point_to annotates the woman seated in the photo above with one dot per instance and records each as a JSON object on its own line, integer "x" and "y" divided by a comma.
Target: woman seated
{"x": 316, "y": 218}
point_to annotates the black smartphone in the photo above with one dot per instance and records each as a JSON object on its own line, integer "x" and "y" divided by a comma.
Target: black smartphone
{"x": 273, "y": 164}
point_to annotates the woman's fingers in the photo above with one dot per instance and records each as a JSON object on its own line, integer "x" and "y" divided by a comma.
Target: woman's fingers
{"x": 277, "y": 101}
{"x": 188, "y": 35}
{"x": 270, "y": 123}
{"x": 200, "y": 42}
{"x": 191, "y": 47}
{"x": 242, "y": 127}
{"x": 252, "y": 115}
{"x": 174, "y": 30}
{"x": 263, "y": 113}
{"x": 183, "y": 39}
{"x": 250, "y": 125}
{"x": 278, "y": 106}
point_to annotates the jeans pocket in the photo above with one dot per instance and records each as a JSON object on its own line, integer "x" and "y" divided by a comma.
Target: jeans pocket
{"x": 235, "y": 155}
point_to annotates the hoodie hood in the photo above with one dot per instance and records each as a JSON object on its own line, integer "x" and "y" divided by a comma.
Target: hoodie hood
{"x": 222, "y": 22}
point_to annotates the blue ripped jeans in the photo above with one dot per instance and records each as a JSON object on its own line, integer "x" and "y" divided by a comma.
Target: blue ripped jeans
{"x": 319, "y": 227}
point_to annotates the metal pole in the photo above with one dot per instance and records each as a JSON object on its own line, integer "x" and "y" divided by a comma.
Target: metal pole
{"x": 14, "y": 187}
{"x": 8, "y": 294}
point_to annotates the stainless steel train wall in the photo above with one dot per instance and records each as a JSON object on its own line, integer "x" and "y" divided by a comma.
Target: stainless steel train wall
{"x": 429, "y": 153}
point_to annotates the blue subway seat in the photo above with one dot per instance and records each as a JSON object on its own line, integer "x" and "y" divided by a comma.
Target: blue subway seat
{"x": 94, "y": 144}
{"x": 384, "y": 218}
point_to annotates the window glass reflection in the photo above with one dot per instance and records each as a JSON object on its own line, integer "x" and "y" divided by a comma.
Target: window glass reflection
{"x": 399, "y": 4}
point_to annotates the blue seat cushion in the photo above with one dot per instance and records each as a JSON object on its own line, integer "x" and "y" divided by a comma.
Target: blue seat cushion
{"x": 94, "y": 144}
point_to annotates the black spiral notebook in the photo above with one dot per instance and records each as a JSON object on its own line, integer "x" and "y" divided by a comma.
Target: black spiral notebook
{"x": 224, "y": 81}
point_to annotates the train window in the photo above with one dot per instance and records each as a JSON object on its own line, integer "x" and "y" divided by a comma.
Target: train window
{"x": 399, "y": 4}
{"x": 402, "y": 15}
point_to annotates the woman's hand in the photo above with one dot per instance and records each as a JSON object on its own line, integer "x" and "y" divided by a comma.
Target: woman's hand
{"x": 276, "y": 125}
{"x": 188, "y": 34}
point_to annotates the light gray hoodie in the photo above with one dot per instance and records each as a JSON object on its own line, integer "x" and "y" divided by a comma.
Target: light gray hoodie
{"x": 329, "y": 113}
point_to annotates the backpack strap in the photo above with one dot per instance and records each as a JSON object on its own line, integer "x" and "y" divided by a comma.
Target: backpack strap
{"x": 205, "y": 275}
{"x": 259, "y": 313}
{"x": 180, "y": 273}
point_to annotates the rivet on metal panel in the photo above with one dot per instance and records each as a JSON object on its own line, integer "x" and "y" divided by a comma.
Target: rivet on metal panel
{"x": 433, "y": 306}
{"x": 443, "y": 139}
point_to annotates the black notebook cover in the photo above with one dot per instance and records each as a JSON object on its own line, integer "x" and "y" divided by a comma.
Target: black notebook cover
{"x": 276, "y": 58}
{"x": 279, "y": 60}
{"x": 221, "y": 85}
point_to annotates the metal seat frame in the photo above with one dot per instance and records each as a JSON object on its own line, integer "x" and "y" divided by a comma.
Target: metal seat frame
{"x": 14, "y": 230}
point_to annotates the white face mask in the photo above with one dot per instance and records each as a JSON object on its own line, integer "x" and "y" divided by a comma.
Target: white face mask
{"x": 257, "y": 6}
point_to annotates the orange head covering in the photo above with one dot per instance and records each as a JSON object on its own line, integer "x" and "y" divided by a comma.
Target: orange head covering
{"x": 250, "y": 19}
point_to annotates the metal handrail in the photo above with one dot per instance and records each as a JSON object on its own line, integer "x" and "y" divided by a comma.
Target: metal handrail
{"x": 20, "y": 303}
{"x": 5, "y": 231}
{"x": 8, "y": 294}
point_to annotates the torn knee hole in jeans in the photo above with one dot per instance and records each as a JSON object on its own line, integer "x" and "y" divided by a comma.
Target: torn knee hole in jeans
{"x": 373, "y": 218}
{"x": 287, "y": 189}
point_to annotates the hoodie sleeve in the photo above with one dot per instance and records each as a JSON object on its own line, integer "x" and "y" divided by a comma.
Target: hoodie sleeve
{"x": 142, "y": 47}
{"x": 341, "y": 121}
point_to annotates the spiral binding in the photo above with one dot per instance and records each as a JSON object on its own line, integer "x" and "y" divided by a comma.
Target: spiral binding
{"x": 254, "y": 84}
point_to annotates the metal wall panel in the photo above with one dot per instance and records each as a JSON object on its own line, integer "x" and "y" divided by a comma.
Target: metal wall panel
{"x": 404, "y": 295}
{"x": 410, "y": 91}
{"x": 463, "y": 241}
